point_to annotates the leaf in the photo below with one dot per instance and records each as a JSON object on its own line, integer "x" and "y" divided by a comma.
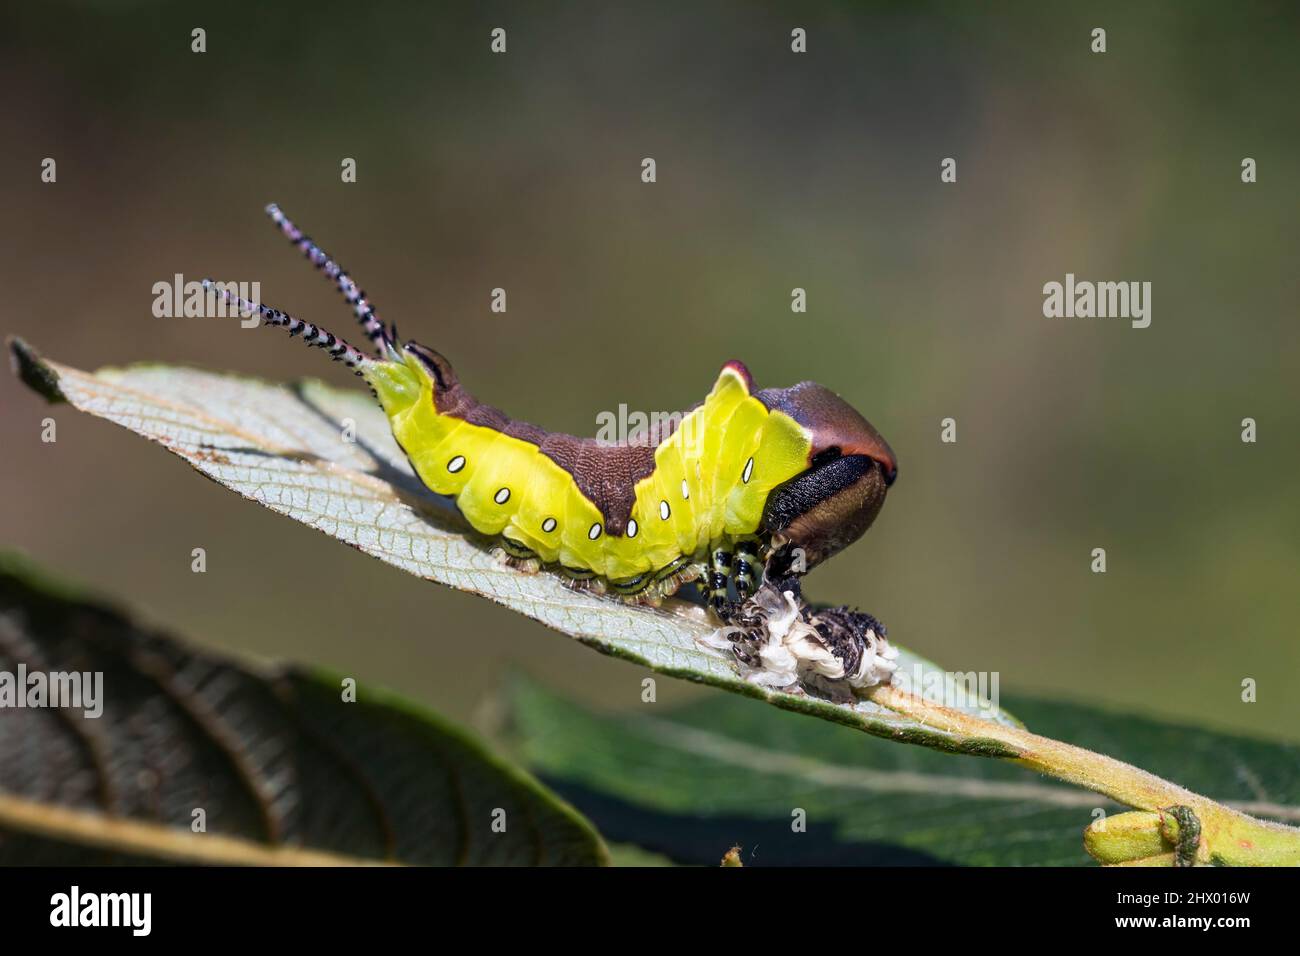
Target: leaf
{"x": 282, "y": 768}
{"x": 644, "y": 777}
{"x": 625, "y": 854}
{"x": 283, "y": 448}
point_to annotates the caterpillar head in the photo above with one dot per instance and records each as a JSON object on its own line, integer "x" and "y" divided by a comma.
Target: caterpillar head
{"x": 828, "y": 506}
{"x": 411, "y": 373}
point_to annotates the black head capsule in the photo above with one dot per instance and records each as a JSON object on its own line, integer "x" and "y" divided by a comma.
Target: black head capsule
{"x": 826, "y": 508}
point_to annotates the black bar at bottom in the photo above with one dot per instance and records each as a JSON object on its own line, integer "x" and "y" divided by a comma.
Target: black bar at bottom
{"x": 924, "y": 905}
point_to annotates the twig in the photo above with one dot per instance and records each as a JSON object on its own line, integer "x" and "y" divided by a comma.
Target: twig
{"x": 1160, "y": 832}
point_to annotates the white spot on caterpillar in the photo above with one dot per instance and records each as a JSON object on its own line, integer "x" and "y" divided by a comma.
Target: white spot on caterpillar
{"x": 594, "y": 533}
{"x": 632, "y": 528}
{"x": 502, "y": 496}
{"x": 456, "y": 464}
{"x": 548, "y": 525}
{"x": 664, "y": 511}
{"x": 686, "y": 492}
{"x": 749, "y": 470}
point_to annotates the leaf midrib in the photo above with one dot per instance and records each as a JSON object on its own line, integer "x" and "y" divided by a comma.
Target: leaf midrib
{"x": 721, "y": 748}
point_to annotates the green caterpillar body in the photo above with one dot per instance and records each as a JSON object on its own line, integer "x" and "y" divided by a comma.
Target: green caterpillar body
{"x": 741, "y": 476}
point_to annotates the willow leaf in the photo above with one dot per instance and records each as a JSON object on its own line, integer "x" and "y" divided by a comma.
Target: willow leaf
{"x": 678, "y": 781}
{"x": 288, "y": 448}
{"x": 174, "y": 755}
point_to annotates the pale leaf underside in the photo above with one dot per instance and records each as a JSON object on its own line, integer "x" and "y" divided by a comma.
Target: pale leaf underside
{"x": 284, "y": 447}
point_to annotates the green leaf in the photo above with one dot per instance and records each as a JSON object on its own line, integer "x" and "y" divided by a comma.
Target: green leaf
{"x": 283, "y": 447}
{"x": 684, "y": 782}
{"x": 625, "y": 854}
{"x": 283, "y": 769}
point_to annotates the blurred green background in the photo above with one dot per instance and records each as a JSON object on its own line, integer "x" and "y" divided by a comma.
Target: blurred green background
{"x": 775, "y": 170}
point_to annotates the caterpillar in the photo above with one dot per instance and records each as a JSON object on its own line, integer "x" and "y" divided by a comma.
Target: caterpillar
{"x": 745, "y": 479}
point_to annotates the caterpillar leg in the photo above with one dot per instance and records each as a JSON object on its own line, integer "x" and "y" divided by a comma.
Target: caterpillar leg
{"x": 674, "y": 577}
{"x": 516, "y": 550}
{"x": 719, "y": 574}
{"x": 515, "y": 555}
{"x": 674, "y": 569}
{"x": 740, "y": 567}
{"x": 580, "y": 579}
{"x": 374, "y": 329}
{"x": 631, "y": 587}
{"x": 745, "y": 573}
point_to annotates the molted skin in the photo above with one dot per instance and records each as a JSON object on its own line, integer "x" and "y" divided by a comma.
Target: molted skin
{"x": 796, "y": 465}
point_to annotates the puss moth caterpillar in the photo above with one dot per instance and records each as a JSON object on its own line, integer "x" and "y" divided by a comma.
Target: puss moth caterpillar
{"x": 746, "y": 475}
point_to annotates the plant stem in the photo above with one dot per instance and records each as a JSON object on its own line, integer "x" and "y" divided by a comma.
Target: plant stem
{"x": 1228, "y": 837}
